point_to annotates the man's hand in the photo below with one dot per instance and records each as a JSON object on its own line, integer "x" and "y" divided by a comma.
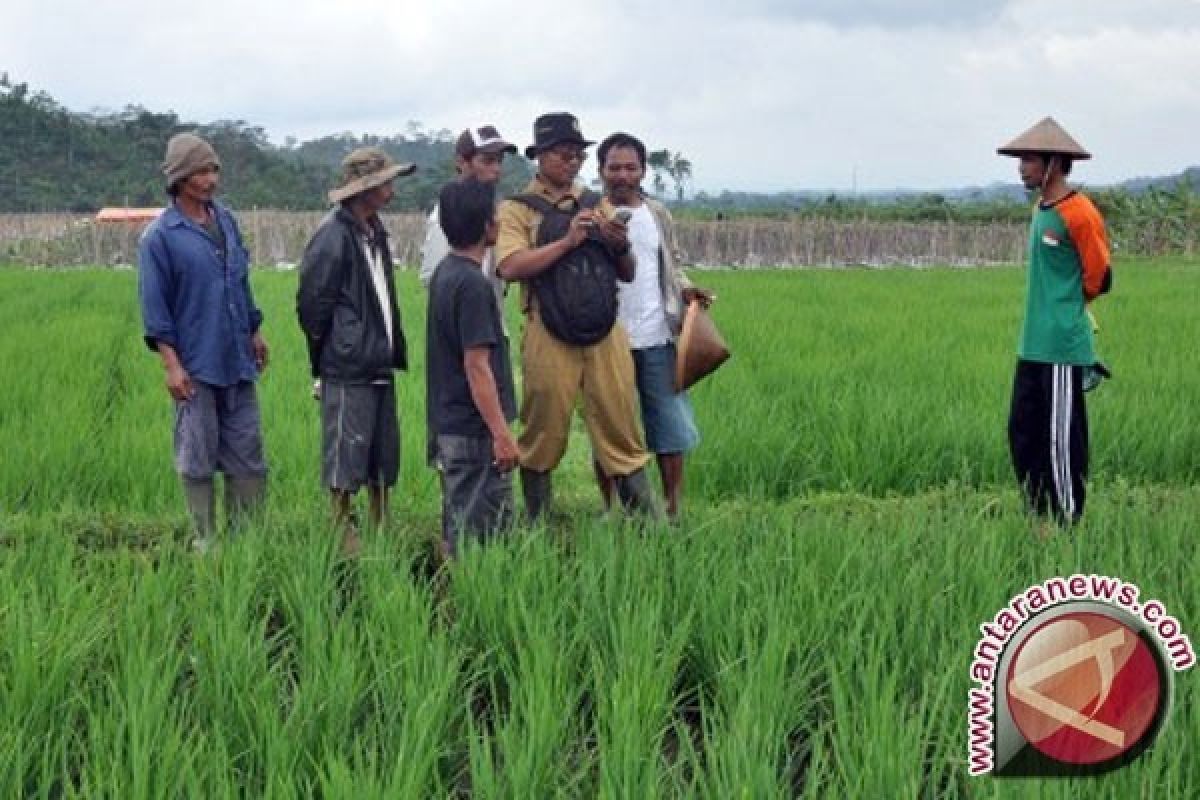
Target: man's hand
{"x": 705, "y": 296}
{"x": 261, "y": 352}
{"x": 179, "y": 383}
{"x": 504, "y": 452}
{"x": 615, "y": 234}
{"x": 581, "y": 224}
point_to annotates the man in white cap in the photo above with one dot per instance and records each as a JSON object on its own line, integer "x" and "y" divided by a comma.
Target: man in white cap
{"x": 199, "y": 315}
{"x": 1068, "y": 268}
{"x": 479, "y": 155}
{"x": 346, "y": 304}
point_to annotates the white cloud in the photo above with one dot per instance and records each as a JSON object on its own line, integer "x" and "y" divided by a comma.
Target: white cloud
{"x": 771, "y": 95}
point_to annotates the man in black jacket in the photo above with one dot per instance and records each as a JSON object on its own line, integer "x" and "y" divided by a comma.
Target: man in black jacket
{"x": 347, "y": 307}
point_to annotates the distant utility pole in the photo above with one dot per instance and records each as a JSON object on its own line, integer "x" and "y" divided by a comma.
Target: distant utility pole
{"x": 854, "y": 181}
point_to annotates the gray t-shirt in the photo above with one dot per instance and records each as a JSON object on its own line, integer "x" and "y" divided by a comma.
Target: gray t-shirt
{"x": 462, "y": 314}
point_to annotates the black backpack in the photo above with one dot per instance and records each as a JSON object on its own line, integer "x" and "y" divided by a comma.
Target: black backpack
{"x": 577, "y": 295}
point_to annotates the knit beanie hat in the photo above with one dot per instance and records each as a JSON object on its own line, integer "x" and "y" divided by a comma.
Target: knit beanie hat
{"x": 187, "y": 154}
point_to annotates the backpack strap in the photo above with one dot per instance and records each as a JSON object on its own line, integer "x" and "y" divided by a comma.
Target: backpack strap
{"x": 536, "y": 202}
{"x": 587, "y": 199}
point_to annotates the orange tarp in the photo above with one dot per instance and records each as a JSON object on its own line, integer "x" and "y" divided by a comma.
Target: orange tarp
{"x": 127, "y": 214}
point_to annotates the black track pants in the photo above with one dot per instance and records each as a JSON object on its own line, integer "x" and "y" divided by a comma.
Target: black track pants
{"x": 1048, "y": 437}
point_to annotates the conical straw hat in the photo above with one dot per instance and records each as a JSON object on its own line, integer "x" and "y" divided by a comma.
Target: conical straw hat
{"x": 701, "y": 348}
{"x": 1045, "y": 137}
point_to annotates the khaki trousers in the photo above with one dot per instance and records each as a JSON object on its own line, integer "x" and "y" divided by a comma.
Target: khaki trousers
{"x": 554, "y": 374}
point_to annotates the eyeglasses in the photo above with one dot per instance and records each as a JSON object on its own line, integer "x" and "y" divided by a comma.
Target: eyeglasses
{"x": 569, "y": 153}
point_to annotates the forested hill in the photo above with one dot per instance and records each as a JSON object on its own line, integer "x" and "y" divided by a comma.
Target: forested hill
{"x": 54, "y": 159}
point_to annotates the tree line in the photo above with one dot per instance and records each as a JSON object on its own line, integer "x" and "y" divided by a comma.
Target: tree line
{"x": 55, "y": 159}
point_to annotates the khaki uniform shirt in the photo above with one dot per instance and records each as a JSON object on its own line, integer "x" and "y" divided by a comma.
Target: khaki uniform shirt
{"x": 518, "y": 224}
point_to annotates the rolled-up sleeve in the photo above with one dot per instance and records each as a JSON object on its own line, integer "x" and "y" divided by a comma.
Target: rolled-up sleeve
{"x": 154, "y": 291}
{"x": 515, "y": 222}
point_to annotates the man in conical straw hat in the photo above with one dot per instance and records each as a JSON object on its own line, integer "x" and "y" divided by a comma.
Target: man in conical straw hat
{"x": 347, "y": 307}
{"x": 1068, "y": 267}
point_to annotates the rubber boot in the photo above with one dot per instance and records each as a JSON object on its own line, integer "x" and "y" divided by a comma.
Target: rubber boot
{"x": 539, "y": 493}
{"x": 243, "y": 498}
{"x": 637, "y": 496}
{"x": 202, "y": 506}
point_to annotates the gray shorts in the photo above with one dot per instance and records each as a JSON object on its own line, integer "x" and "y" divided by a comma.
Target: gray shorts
{"x": 477, "y": 498}
{"x": 360, "y": 436}
{"x": 219, "y": 428}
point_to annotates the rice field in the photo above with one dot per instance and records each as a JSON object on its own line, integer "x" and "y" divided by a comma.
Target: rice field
{"x": 805, "y": 632}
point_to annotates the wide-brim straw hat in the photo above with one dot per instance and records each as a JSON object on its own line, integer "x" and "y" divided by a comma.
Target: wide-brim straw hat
{"x": 700, "y": 349}
{"x": 366, "y": 168}
{"x": 1047, "y": 137}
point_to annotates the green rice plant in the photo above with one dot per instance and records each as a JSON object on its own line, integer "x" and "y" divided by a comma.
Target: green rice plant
{"x": 52, "y": 636}
{"x": 139, "y": 743}
{"x": 515, "y": 609}
{"x": 325, "y": 705}
{"x": 634, "y": 654}
{"x": 415, "y": 695}
{"x": 237, "y": 679}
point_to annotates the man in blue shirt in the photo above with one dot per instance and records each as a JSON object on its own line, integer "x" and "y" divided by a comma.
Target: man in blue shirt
{"x": 199, "y": 315}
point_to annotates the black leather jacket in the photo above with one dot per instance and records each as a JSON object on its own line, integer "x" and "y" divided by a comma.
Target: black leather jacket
{"x": 338, "y": 309}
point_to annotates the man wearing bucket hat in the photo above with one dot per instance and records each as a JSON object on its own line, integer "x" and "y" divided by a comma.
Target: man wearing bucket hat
{"x": 1068, "y": 268}
{"x": 199, "y": 315}
{"x": 558, "y": 366}
{"x": 478, "y": 155}
{"x": 346, "y": 304}
{"x": 651, "y": 309}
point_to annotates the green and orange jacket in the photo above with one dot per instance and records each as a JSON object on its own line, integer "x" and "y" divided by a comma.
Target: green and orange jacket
{"x": 1068, "y": 265}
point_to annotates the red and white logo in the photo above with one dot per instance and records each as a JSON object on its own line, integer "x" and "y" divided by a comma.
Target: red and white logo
{"x": 1084, "y": 689}
{"x": 1072, "y": 677}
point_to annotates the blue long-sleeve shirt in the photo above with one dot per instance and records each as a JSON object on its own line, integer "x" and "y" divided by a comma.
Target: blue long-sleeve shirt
{"x": 196, "y": 302}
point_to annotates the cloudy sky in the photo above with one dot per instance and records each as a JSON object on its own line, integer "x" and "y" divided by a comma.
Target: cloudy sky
{"x": 777, "y": 94}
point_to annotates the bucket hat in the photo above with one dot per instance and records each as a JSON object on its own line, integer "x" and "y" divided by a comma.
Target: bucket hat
{"x": 555, "y": 128}
{"x": 364, "y": 169}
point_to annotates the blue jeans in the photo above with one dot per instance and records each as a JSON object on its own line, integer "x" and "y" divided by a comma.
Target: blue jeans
{"x": 667, "y": 416}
